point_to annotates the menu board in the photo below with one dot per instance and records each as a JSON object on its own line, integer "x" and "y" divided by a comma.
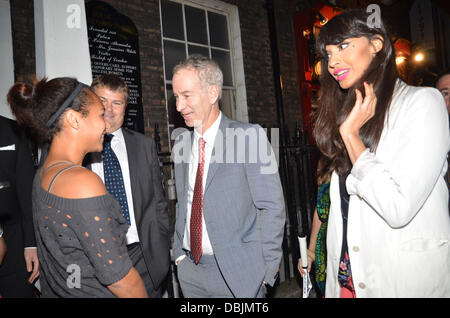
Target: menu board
{"x": 114, "y": 49}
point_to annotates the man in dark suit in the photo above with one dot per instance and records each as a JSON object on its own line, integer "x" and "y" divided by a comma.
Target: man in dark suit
{"x": 230, "y": 211}
{"x": 144, "y": 205}
{"x": 16, "y": 178}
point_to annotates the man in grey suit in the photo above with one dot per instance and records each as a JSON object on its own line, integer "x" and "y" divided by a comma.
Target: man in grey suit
{"x": 145, "y": 203}
{"x": 230, "y": 212}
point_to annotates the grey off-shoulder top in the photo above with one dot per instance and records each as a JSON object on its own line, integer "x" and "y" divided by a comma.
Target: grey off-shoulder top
{"x": 81, "y": 244}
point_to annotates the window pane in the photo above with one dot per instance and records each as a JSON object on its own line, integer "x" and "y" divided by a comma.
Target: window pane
{"x": 195, "y": 25}
{"x": 194, "y": 49}
{"x": 172, "y": 17}
{"x": 223, "y": 59}
{"x": 218, "y": 30}
{"x": 174, "y": 53}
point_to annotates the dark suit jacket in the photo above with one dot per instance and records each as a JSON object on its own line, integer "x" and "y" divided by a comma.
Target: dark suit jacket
{"x": 149, "y": 202}
{"x": 17, "y": 169}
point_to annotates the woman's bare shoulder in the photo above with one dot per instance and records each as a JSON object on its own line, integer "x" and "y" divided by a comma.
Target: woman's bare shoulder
{"x": 78, "y": 183}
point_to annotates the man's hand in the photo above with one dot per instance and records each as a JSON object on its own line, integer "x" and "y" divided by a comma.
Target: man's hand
{"x": 3, "y": 249}
{"x": 32, "y": 262}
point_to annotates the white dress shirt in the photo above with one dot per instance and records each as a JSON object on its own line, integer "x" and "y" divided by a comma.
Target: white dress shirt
{"x": 120, "y": 149}
{"x": 209, "y": 136}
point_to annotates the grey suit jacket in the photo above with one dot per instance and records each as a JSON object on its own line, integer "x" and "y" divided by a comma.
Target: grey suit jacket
{"x": 149, "y": 202}
{"x": 243, "y": 208}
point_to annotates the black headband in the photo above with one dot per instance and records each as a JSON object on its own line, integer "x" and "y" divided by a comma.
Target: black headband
{"x": 64, "y": 105}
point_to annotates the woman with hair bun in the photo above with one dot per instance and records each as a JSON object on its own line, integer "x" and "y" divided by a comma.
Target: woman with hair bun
{"x": 80, "y": 231}
{"x": 388, "y": 227}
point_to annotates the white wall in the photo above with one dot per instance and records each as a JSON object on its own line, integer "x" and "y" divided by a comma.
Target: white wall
{"x": 6, "y": 58}
{"x": 62, "y": 47}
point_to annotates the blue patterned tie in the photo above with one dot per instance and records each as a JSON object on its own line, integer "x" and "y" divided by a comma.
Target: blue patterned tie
{"x": 113, "y": 177}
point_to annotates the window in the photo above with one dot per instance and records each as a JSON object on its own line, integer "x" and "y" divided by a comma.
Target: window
{"x": 211, "y": 28}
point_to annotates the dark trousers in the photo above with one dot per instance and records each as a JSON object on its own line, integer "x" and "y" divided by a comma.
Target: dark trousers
{"x": 15, "y": 285}
{"x": 136, "y": 256}
{"x": 13, "y": 271}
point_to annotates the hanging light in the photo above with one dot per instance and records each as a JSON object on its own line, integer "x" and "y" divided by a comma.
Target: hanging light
{"x": 318, "y": 68}
{"x": 400, "y": 60}
{"x": 307, "y": 33}
{"x": 321, "y": 18}
{"x": 419, "y": 57}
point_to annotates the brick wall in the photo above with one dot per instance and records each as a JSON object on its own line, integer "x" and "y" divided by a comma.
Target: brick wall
{"x": 258, "y": 66}
{"x": 257, "y": 62}
{"x": 288, "y": 64}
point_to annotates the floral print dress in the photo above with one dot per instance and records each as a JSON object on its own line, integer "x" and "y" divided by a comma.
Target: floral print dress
{"x": 323, "y": 209}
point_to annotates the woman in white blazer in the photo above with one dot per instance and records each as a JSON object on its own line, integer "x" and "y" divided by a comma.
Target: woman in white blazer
{"x": 388, "y": 144}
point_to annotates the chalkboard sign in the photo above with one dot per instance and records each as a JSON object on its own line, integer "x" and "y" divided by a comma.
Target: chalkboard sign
{"x": 114, "y": 49}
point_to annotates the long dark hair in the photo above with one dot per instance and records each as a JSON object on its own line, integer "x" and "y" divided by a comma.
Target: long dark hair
{"x": 33, "y": 105}
{"x": 336, "y": 103}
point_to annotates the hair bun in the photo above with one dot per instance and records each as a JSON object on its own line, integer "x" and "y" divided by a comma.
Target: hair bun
{"x": 20, "y": 97}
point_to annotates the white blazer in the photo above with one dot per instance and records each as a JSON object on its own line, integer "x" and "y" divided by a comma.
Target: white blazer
{"x": 398, "y": 221}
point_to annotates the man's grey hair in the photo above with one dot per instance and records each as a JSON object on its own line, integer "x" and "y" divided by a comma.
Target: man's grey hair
{"x": 207, "y": 69}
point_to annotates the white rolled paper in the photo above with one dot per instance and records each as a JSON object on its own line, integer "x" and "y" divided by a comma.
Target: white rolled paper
{"x": 303, "y": 253}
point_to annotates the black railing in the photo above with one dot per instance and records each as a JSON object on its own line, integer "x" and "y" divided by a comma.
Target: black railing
{"x": 297, "y": 173}
{"x": 299, "y": 184}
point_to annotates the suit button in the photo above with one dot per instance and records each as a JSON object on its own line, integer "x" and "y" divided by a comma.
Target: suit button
{"x": 355, "y": 249}
{"x": 362, "y": 285}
